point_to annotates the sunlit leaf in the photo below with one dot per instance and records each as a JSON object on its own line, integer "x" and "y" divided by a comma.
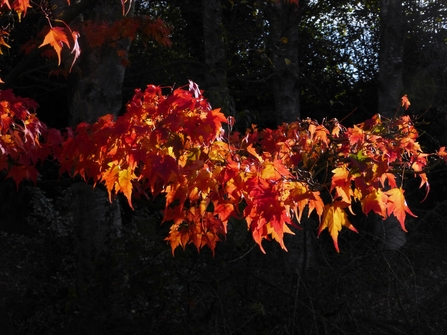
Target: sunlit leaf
{"x": 334, "y": 218}
{"x": 398, "y": 206}
{"x": 56, "y": 38}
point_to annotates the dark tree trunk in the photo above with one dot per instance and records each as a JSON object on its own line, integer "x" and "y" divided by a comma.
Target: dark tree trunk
{"x": 216, "y": 89}
{"x": 284, "y": 21}
{"x": 392, "y": 33}
{"x": 97, "y": 226}
{"x": 96, "y": 86}
{"x": 95, "y": 89}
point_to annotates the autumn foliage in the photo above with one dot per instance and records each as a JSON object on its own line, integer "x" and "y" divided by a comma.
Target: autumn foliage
{"x": 174, "y": 145}
{"x": 57, "y": 35}
{"x": 177, "y": 146}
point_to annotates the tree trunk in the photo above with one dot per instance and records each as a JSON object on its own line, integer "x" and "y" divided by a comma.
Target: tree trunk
{"x": 97, "y": 226}
{"x": 216, "y": 82}
{"x": 392, "y": 34}
{"x": 95, "y": 89}
{"x": 284, "y": 21}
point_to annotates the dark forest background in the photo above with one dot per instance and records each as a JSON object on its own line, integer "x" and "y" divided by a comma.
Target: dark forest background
{"x": 264, "y": 64}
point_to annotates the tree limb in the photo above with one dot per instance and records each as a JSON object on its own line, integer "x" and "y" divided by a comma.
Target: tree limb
{"x": 66, "y": 16}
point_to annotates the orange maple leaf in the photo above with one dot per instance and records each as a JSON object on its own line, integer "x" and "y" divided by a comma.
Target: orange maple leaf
{"x": 341, "y": 182}
{"x": 178, "y": 236}
{"x": 2, "y": 40}
{"x": 5, "y": 2}
{"x": 356, "y": 135}
{"x": 405, "y": 102}
{"x": 391, "y": 178}
{"x": 20, "y": 6}
{"x": 224, "y": 210}
{"x": 375, "y": 201}
{"x": 442, "y": 153}
{"x": 398, "y": 206}
{"x": 110, "y": 176}
{"x": 56, "y": 38}
{"x": 252, "y": 150}
{"x": 297, "y": 196}
{"x": 334, "y": 218}
{"x": 274, "y": 170}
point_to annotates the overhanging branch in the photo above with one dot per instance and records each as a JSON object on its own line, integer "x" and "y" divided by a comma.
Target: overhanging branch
{"x": 66, "y": 16}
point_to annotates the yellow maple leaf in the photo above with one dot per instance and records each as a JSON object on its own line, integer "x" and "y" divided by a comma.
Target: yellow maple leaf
{"x": 334, "y": 218}
{"x": 124, "y": 184}
{"x": 110, "y": 177}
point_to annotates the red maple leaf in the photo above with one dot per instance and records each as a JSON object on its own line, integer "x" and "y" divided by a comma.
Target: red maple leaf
{"x": 2, "y": 40}
{"x": 19, "y": 173}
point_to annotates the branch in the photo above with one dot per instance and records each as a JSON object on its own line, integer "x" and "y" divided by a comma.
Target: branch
{"x": 73, "y": 11}
{"x": 67, "y": 16}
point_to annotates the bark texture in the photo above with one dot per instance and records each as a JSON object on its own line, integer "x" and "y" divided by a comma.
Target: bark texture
{"x": 392, "y": 34}
{"x": 284, "y": 27}
{"x": 97, "y": 226}
{"x": 96, "y": 83}
{"x": 216, "y": 81}
{"x": 95, "y": 89}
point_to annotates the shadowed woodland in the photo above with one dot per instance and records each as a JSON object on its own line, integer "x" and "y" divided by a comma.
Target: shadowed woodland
{"x": 74, "y": 263}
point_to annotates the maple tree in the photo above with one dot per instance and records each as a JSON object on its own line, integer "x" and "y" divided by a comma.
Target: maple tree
{"x": 175, "y": 145}
{"x": 57, "y": 35}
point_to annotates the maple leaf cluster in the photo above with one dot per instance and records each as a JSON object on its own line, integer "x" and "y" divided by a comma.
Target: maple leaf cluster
{"x": 59, "y": 35}
{"x": 21, "y": 132}
{"x": 174, "y": 145}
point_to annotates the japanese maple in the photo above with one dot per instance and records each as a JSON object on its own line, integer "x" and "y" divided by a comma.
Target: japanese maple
{"x": 174, "y": 145}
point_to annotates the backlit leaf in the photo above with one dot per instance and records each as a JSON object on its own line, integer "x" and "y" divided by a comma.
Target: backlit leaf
{"x": 21, "y": 7}
{"x": 398, "y": 206}
{"x": 124, "y": 184}
{"x": 76, "y": 51}
{"x": 56, "y": 38}
{"x": 375, "y": 201}
{"x": 405, "y": 102}
{"x": 334, "y": 218}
